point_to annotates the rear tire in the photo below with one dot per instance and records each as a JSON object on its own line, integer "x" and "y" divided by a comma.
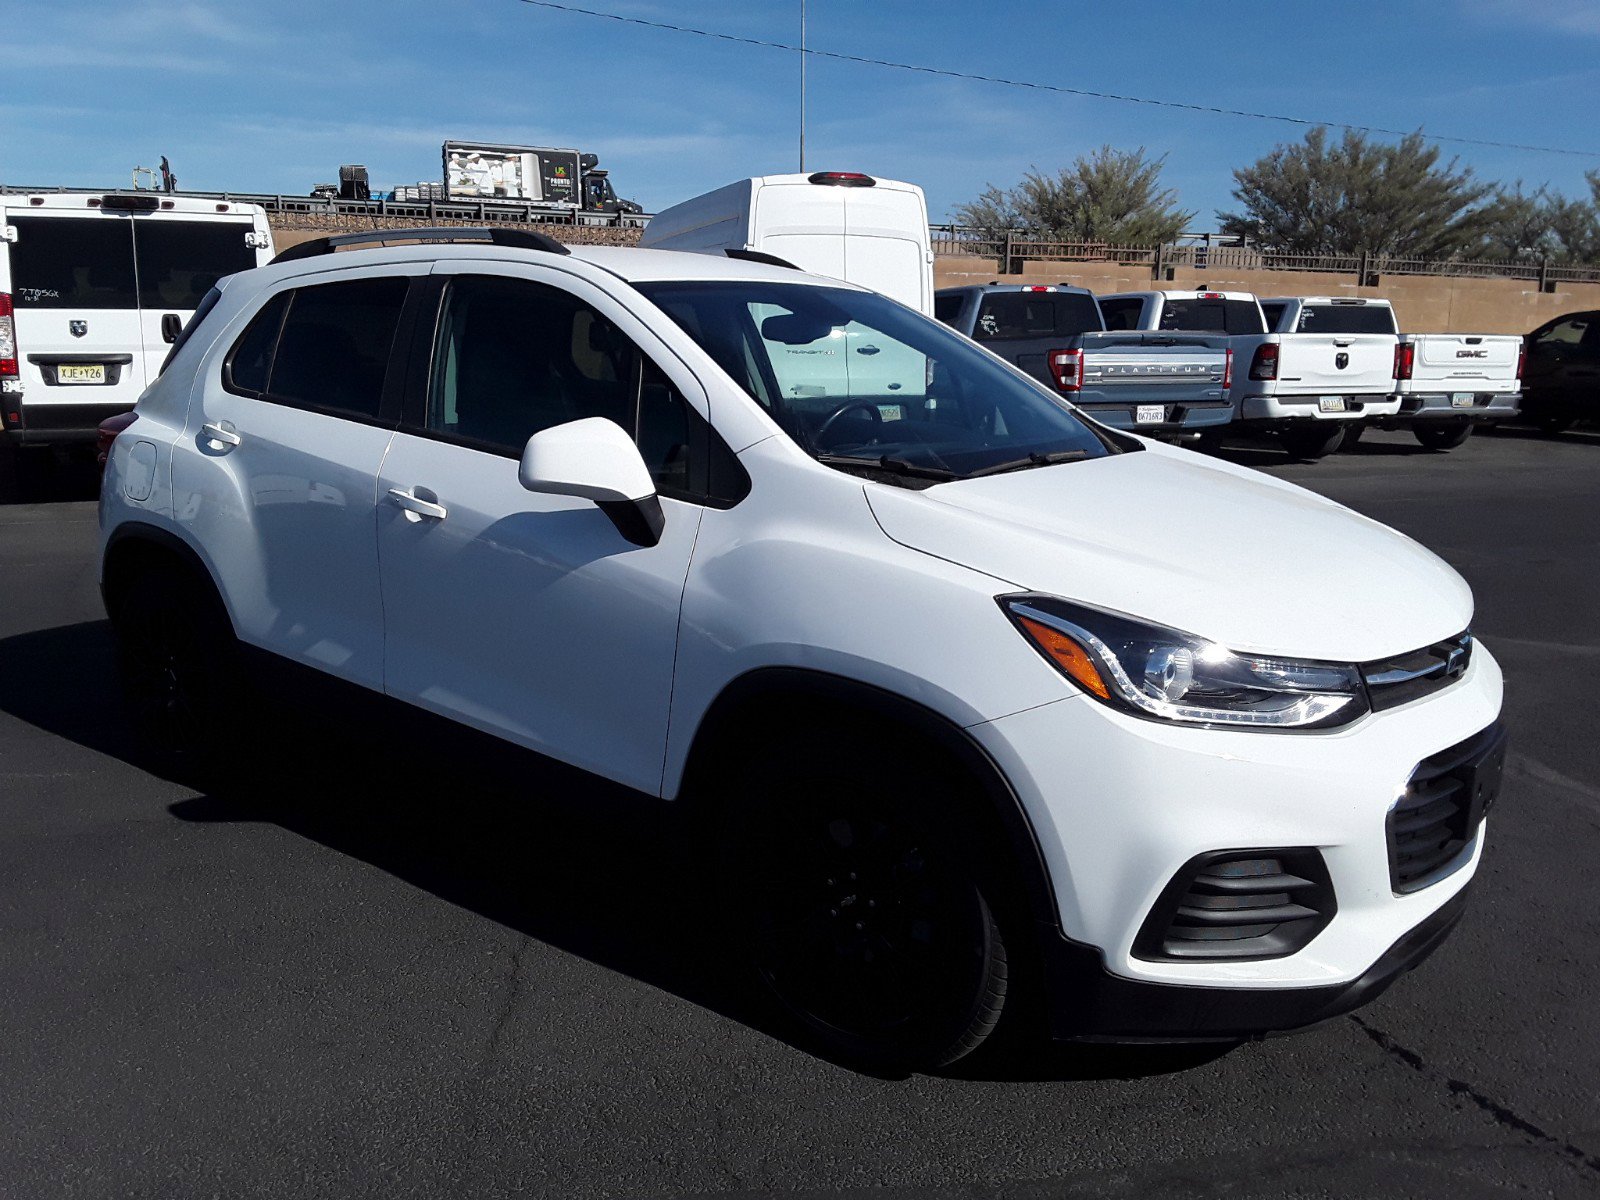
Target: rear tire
{"x": 1312, "y": 440}
{"x": 179, "y": 665}
{"x": 1443, "y": 435}
{"x": 1352, "y": 436}
{"x": 858, "y": 904}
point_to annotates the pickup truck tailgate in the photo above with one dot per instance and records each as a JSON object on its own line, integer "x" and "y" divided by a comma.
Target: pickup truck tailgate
{"x": 1474, "y": 362}
{"x": 1148, "y": 367}
{"x": 1336, "y": 363}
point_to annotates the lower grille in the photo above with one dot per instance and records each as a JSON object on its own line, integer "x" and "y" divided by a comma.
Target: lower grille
{"x": 1434, "y": 821}
{"x": 1239, "y": 904}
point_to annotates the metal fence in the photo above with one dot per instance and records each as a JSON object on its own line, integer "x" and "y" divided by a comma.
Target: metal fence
{"x": 1011, "y": 251}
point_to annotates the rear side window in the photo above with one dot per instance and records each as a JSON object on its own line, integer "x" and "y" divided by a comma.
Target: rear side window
{"x": 1121, "y": 314}
{"x": 1212, "y": 316}
{"x": 1024, "y": 316}
{"x": 179, "y": 261}
{"x": 324, "y": 348}
{"x": 73, "y": 262}
{"x": 1346, "y": 318}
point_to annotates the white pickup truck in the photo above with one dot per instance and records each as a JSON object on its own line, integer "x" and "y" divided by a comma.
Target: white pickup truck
{"x": 1308, "y": 385}
{"x": 1445, "y": 382}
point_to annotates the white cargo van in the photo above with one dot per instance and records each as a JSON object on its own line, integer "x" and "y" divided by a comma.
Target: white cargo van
{"x": 94, "y": 288}
{"x": 866, "y": 231}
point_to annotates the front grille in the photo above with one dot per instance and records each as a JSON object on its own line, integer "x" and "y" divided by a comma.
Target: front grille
{"x": 1406, "y": 677}
{"x": 1239, "y": 904}
{"x": 1432, "y": 825}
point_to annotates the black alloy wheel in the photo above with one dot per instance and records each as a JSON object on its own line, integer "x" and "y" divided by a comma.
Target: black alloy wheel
{"x": 868, "y": 924}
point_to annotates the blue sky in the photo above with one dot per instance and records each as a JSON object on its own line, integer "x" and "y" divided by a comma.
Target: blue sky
{"x": 272, "y": 97}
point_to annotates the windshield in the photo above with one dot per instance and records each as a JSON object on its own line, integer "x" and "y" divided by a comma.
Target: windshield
{"x": 854, "y": 376}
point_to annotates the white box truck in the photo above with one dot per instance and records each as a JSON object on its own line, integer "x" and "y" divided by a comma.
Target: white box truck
{"x": 867, "y": 231}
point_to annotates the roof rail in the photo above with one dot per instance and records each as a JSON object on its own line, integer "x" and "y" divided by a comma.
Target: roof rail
{"x": 761, "y": 256}
{"x": 518, "y": 239}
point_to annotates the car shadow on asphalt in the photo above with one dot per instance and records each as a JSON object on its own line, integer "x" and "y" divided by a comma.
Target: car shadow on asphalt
{"x": 580, "y": 864}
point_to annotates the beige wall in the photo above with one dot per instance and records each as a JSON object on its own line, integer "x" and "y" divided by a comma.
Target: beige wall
{"x": 1425, "y": 303}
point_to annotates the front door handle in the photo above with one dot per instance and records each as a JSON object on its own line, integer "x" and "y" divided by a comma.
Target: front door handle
{"x": 416, "y": 508}
{"x": 221, "y": 435}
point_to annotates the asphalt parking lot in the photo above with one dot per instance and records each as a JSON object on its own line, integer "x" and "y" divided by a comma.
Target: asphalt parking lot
{"x": 392, "y": 964}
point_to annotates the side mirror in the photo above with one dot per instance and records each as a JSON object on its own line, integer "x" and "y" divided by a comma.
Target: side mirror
{"x": 593, "y": 458}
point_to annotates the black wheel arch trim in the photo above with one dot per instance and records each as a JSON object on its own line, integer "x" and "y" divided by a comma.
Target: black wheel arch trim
{"x": 157, "y": 535}
{"x": 1020, "y": 838}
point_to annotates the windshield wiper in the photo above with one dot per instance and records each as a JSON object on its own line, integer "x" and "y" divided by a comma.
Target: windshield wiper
{"x": 887, "y": 462}
{"x": 1035, "y": 459}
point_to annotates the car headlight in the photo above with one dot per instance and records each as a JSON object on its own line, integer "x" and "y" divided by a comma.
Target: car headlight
{"x": 1165, "y": 674}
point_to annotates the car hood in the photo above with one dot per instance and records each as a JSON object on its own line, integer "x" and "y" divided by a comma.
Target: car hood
{"x": 1209, "y": 548}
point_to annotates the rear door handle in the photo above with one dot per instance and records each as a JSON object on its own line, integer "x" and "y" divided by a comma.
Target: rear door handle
{"x": 221, "y": 435}
{"x": 415, "y": 506}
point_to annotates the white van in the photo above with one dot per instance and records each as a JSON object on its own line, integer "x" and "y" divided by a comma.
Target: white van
{"x": 866, "y": 231}
{"x": 94, "y": 288}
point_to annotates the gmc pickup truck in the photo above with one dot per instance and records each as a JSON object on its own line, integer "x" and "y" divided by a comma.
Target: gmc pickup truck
{"x": 1308, "y": 385}
{"x": 1159, "y": 383}
{"x": 1446, "y": 382}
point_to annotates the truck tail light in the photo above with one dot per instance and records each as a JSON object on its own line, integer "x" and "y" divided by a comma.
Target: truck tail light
{"x": 1264, "y": 363}
{"x": 1066, "y": 367}
{"x": 1522, "y": 358}
{"x": 8, "y": 339}
{"x": 1405, "y": 360}
{"x": 1227, "y": 369}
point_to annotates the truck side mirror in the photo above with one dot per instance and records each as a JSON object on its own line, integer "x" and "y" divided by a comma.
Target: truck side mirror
{"x": 595, "y": 459}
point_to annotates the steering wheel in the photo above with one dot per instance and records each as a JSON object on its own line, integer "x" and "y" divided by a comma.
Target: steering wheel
{"x": 847, "y": 406}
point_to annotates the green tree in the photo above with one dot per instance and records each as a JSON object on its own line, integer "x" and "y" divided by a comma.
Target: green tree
{"x": 1112, "y": 196}
{"x": 1519, "y": 225}
{"x": 1321, "y": 197}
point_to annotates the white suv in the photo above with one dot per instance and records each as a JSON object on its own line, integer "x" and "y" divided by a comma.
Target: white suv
{"x": 977, "y": 700}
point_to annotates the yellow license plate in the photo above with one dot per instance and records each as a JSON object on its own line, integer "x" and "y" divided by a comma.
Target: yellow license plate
{"x": 81, "y": 373}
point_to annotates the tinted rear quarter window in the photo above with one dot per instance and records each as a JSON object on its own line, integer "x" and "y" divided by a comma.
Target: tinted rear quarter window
{"x": 334, "y": 348}
{"x": 1024, "y": 316}
{"x": 1346, "y": 318}
{"x": 1212, "y": 316}
{"x": 250, "y": 360}
{"x": 947, "y": 308}
{"x": 73, "y": 262}
{"x": 179, "y": 261}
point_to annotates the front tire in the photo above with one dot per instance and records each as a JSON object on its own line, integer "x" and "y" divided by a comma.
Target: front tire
{"x": 858, "y": 906}
{"x": 1312, "y": 440}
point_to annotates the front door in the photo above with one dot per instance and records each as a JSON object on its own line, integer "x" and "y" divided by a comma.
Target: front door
{"x": 530, "y": 616}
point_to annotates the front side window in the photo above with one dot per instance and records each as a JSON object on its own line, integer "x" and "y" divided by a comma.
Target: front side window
{"x": 179, "y": 261}
{"x": 73, "y": 262}
{"x": 515, "y": 357}
{"x": 1565, "y": 333}
{"x": 858, "y": 380}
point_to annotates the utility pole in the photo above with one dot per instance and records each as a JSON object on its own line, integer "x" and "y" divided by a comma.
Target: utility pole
{"x": 802, "y": 86}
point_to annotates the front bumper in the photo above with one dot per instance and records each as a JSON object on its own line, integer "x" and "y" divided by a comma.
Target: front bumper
{"x": 1441, "y": 406}
{"x": 1308, "y": 408}
{"x": 1119, "y": 805}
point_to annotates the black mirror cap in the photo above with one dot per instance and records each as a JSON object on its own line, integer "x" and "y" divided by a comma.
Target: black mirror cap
{"x": 640, "y": 521}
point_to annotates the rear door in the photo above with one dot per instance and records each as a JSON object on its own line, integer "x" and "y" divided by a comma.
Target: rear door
{"x": 178, "y": 260}
{"x": 74, "y": 292}
{"x": 884, "y": 247}
{"x": 802, "y": 224}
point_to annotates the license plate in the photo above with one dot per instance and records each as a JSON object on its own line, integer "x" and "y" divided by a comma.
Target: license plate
{"x": 1330, "y": 403}
{"x": 1149, "y": 414}
{"x": 1463, "y": 399}
{"x": 81, "y": 373}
